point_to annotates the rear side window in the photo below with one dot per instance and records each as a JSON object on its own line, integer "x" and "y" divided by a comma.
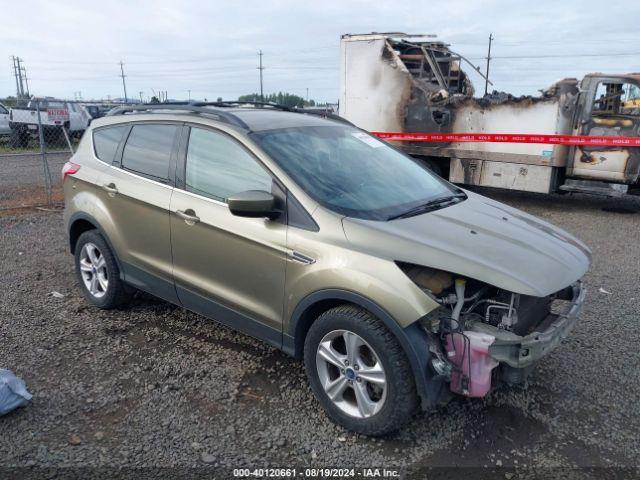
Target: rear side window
{"x": 106, "y": 141}
{"x": 148, "y": 150}
{"x": 218, "y": 166}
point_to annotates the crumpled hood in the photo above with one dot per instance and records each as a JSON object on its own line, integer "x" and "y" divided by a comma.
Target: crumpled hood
{"x": 482, "y": 239}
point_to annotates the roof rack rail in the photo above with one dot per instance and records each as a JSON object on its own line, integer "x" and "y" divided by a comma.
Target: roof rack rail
{"x": 220, "y": 113}
{"x": 236, "y": 103}
{"x": 192, "y": 107}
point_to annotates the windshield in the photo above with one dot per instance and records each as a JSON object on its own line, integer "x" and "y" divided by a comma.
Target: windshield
{"x": 351, "y": 172}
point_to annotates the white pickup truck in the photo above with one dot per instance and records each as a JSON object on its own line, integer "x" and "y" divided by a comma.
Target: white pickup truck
{"x": 54, "y": 115}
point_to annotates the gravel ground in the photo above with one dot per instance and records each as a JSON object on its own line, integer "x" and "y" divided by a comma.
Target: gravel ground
{"x": 22, "y": 179}
{"x": 157, "y": 386}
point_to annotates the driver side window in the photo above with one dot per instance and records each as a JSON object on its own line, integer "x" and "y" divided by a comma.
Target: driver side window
{"x": 218, "y": 166}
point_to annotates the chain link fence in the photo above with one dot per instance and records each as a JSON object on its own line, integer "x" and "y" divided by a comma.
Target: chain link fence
{"x": 36, "y": 139}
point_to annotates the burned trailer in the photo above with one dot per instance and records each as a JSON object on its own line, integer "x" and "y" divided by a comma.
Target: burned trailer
{"x": 393, "y": 82}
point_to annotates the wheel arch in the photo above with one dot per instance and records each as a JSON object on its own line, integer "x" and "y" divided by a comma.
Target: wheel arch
{"x": 413, "y": 340}
{"x": 81, "y": 222}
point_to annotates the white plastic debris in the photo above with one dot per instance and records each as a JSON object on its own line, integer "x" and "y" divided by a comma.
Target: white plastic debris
{"x": 57, "y": 294}
{"x": 13, "y": 392}
{"x": 602, "y": 290}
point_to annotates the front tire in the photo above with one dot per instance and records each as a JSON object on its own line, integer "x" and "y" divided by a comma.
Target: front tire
{"x": 98, "y": 273}
{"x": 359, "y": 372}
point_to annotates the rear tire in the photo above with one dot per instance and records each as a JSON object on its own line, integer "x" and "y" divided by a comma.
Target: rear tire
{"x": 374, "y": 393}
{"x": 98, "y": 272}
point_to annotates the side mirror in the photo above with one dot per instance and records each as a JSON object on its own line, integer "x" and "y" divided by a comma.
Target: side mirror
{"x": 253, "y": 203}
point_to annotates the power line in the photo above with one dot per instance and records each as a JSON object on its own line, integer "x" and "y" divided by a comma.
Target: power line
{"x": 562, "y": 55}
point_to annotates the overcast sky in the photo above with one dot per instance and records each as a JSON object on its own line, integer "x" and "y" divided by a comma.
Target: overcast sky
{"x": 210, "y": 47}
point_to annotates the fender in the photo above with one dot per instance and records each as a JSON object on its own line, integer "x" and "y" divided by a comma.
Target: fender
{"x": 413, "y": 340}
{"x": 85, "y": 216}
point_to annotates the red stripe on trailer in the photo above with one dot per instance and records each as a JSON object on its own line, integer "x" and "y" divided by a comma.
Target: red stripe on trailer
{"x": 510, "y": 138}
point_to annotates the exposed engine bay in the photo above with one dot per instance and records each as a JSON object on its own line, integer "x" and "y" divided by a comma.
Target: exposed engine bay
{"x": 480, "y": 327}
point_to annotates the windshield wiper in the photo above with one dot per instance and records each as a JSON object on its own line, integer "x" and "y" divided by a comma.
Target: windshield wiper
{"x": 434, "y": 204}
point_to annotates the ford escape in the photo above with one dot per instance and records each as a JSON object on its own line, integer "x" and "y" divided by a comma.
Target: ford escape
{"x": 396, "y": 288}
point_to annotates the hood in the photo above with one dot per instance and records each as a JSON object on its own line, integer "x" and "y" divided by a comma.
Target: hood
{"x": 481, "y": 239}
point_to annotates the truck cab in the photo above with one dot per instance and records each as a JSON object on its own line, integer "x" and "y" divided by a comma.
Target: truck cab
{"x": 608, "y": 105}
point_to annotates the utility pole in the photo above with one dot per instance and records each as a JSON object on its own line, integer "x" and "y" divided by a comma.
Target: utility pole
{"x": 189, "y": 94}
{"x": 261, "y": 68}
{"x": 141, "y": 101}
{"x": 18, "y": 60}
{"x": 15, "y": 74}
{"x": 17, "y": 71}
{"x": 124, "y": 85}
{"x": 26, "y": 80}
{"x": 307, "y": 95}
{"x": 486, "y": 80}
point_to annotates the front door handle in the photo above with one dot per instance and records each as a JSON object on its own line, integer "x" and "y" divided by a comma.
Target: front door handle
{"x": 189, "y": 216}
{"x": 110, "y": 189}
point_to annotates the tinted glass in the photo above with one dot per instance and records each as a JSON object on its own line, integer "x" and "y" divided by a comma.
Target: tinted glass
{"x": 218, "y": 166}
{"x": 148, "y": 150}
{"x": 106, "y": 141}
{"x": 352, "y": 172}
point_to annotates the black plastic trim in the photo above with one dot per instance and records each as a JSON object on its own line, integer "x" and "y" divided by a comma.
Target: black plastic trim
{"x": 298, "y": 217}
{"x": 227, "y": 316}
{"x": 150, "y": 283}
{"x": 85, "y": 216}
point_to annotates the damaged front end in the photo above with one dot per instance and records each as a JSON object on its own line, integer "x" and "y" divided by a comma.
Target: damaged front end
{"x": 482, "y": 335}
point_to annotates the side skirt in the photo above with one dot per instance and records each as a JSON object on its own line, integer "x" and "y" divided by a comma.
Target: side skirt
{"x": 229, "y": 317}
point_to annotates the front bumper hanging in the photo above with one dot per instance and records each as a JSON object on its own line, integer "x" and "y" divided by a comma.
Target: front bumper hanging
{"x": 521, "y": 352}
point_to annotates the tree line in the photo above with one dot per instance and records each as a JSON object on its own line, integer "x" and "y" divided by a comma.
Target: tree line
{"x": 287, "y": 99}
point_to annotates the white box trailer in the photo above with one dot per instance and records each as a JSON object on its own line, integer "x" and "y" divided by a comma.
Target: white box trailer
{"x": 401, "y": 83}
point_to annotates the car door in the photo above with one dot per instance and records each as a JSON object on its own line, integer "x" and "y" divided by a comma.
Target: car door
{"x": 135, "y": 197}
{"x": 609, "y": 106}
{"x": 229, "y": 268}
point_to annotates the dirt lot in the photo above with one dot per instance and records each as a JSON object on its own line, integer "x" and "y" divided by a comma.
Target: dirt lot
{"x": 156, "y": 386}
{"x": 22, "y": 179}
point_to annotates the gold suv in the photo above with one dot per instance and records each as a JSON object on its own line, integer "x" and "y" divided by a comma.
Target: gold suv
{"x": 397, "y": 288}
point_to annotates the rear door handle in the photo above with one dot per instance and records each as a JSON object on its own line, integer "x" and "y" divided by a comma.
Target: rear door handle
{"x": 110, "y": 189}
{"x": 189, "y": 216}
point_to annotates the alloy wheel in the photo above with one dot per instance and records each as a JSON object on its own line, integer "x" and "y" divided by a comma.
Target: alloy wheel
{"x": 93, "y": 269}
{"x": 351, "y": 373}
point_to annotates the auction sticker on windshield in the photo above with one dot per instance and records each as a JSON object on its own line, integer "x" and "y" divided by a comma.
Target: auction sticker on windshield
{"x": 368, "y": 139}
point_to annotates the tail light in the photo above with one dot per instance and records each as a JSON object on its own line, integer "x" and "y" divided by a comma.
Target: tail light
{"x": 69, "y": 168}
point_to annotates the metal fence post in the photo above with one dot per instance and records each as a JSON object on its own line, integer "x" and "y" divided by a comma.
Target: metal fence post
{"x": 66, "y": 137}
{"x": 45, "y": 165}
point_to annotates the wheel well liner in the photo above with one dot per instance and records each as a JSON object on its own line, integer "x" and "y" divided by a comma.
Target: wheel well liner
{"x": 81, "y": 222}
{"x": 77, "y": 228}
{"x": 413, "y": 340}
